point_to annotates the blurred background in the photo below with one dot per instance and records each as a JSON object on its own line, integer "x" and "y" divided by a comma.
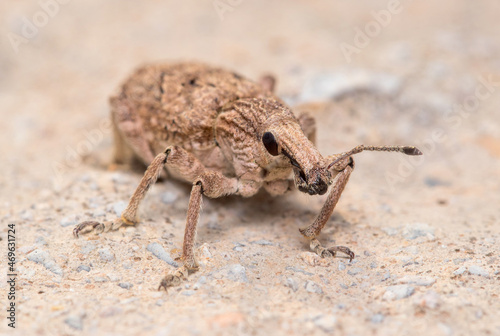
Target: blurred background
{"x": 375, "y": 72}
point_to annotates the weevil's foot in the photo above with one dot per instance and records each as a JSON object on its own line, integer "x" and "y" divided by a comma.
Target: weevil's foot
{"x": 331, "y": 251}
{"x": 97, "y": 227}
{"x": 334, "y": 249}
{"x": 88, "y": 226}
{"x": 174, "y": 279}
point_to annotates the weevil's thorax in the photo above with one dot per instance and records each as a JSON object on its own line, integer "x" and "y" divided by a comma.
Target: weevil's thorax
{"x": 239, "y": 131}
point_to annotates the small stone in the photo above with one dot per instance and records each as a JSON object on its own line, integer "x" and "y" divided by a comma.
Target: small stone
{"x": 415, "y": 230}
{"x": 118, "y": 207}
{"x": 477, "y": 270}
{"x": 296, "y": 269}
{"x": 417, "y": 280}
{"x": 169, "y": 197}
{"x": 201, "y": 281}
{"x": 459, "y": 261}
{"x": 429, "y": 299}
{"x": 87, "y": 247}
{"x": 311, "y": 259}
{"x": 342, "y": 266}
{"x": 390, "y": 231}
{"x": 386, "y": 276}
{"x": 42, "y": 257}
{"x": 26, "y": 215}
{"x": 354, "y": 270}
{"x": 237, "y": 272}
{"x": 313, "y": 287}
{"x": 377, "y": 318}
{"x": 292, "y": 283}
{"x": 106, "y": 255}
{"x": 100, "y": 279}
{"x": 125, "y": 285}
{"x": 262, "y": 242}
{"x": 460, "y": 270}
{"x": 160, "y": 253}
{"x": 398, "y": 292}
{"x": 40, "y": 241}
{"x": 83, "y": 268}
{"x": 74, "y": 322}
{"x": 188, "y": 292}
{"x": 70, "y": 220}
{"x": 326, "y": 322}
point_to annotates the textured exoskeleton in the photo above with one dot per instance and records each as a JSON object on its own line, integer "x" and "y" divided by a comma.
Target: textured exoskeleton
{"x": 226, "y": 135}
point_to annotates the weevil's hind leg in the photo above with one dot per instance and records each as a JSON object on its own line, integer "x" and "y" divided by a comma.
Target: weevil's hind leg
{"x": 268, "y": 82}
{"x": 313, "y": 230}
{"x": 212, "y": 184}
{"x": 308, "y": 126}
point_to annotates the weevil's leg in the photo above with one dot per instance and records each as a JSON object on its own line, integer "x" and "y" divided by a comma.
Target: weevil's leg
{"x": 189, "y": 167}
{"x": 268, "y": 82}
{"x": 313, "y": 230}
{"x": 308, "y": 126}
{"x": 211, "y": 184}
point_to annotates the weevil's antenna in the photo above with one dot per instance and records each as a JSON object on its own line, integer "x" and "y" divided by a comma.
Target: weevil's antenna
{"x": 408, "y": 150}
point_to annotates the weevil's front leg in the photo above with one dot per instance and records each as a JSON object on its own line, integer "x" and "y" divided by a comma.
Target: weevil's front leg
{"x": 313, "y": 230}
{"x": 212, "y": 184}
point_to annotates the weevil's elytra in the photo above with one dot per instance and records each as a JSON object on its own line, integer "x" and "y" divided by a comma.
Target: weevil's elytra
{"x": 225, "y": 135}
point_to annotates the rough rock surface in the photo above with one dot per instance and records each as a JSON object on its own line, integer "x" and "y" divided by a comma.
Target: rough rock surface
{"x": 426, "y": 231}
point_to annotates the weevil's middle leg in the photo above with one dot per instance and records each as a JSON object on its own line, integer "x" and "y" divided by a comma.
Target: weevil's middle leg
{"x": 212, "y": 184}
{"x": 313, "y": 230}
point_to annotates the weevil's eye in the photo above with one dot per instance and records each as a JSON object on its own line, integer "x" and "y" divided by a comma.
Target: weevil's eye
{"x": 270, "y": 143}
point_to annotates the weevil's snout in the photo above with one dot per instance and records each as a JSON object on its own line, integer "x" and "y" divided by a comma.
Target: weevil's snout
{"x": 314, "y": 183}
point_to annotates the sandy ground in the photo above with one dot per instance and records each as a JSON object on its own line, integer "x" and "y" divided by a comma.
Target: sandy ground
{"x": 426, "y": 231}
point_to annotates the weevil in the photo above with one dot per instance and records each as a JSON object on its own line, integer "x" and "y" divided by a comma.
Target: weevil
{"x": 226, "y": 135}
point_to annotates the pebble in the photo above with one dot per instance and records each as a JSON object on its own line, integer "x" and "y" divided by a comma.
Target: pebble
{"x": 313, "y": 287}
{"x": 312, "y": 259}
{"x": 40, "y": 241}
{"x": 296, "y": 269}
{"x": 417, "y": 280}
{"x": 201, "y": 281}
{"x": 83, "y": 268}
{"x": 390, "y": 231}
{"x": 70, "y": 220}
{"x": 354, "y": 270}
{"x": 292, "y": 283}
{"x": 377, "y": 318}
{"x": 87, "y": 247}
{"x": 460, "y": 271}
{"x": 125, "y": 285}
{"x": 342, "y": 266}
{"x": 100, "y": 279}
{"x": 477, "y": 270}
{"x": 262, "y": 242}
{"x": 429, "y": 299}
{"x": 43, "y": 258}
{"x": 26, "y": 215}
{"x": 326, "y": 322}
{"x": 415, "y": 230}
{"x": 106, "y": 255}
{"x": 398, "y": 292}
{"x": 169, "y": 197}
{"x": 118, "y": 207}
{"x": 188, "y": 292}
{"x": 74, "y": 322}
{"x": 160, "y": 253}
{"x": 237, "y": 272}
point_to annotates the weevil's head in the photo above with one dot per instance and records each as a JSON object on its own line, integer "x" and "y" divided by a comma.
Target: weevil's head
{"x": 282, "y": 135}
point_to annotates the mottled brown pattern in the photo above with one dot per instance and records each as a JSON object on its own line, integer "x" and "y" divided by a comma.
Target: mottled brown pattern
{"x": 226, "y": 135}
